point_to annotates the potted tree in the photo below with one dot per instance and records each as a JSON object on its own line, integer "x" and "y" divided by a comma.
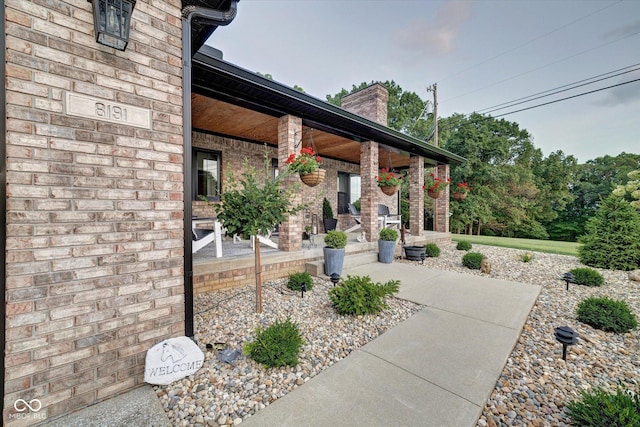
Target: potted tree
{"x": 387, "y": 245}
{"x": 330, "y": 223}
{"x": 335, "y": 240}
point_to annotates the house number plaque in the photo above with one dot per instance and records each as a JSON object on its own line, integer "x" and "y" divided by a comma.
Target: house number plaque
{"x": 108, "y": 111}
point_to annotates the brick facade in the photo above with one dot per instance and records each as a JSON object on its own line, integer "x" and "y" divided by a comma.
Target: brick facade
{"x": 95, "y": 252}
{"x": 369, "y": 102}
{"x": 441, "y": 204}
{"x": 416, "y": 195}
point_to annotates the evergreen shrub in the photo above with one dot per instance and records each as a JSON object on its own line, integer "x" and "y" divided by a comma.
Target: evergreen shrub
{"x": 612, "y": 238}
{"x": 296, "y": 280}
{"x": 607, "y": 314}
{"x": 336, "y": 239}
{"x": 277, "y": 345}
{"x": 472, "y": 260}
{"x": 358, "y": 295}
{"x": 587, "y": 276}
{"x": 463, "y": 245}
{"x": 388, "y": 234}
{"x": 432, "y": 250}
{"x": 599, "y": 408}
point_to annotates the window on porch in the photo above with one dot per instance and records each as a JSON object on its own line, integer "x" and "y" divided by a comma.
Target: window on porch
{"x": 206, "y": 174}
{"x": 348, "y": 190}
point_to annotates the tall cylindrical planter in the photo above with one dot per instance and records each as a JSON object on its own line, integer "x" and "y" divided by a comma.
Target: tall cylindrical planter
{"x": 386, "y": 251}
{"x": 333, "y": 260}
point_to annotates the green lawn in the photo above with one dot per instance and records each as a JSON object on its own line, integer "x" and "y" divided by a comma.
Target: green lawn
{"x": 549, "y": 246}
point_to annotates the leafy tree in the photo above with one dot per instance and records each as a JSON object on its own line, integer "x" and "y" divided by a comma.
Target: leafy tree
{"x": 631, "y": 190}
{"x": 253, "y": 204}
{"x": 613, "y": 236}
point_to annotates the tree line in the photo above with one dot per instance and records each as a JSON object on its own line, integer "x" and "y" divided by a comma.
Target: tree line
{"x": 516, "y": 190}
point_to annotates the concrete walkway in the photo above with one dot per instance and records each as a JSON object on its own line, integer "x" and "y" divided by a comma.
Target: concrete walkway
{"x": 435, "y": 369}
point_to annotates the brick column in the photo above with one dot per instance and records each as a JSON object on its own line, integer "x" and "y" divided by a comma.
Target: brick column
{"x": 290, "y": 232}
{"x": 416, "y": 195}
{"x": 369, "y": 189}
{"x": 441, "y": 208}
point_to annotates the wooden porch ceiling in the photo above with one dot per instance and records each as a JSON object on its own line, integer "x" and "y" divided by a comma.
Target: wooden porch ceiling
{"x": 213, "y": 115}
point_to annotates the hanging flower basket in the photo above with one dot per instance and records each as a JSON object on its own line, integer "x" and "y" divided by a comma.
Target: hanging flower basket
{"x": 434, "y": 194}
{"x": 389, "y": 191}
{"x": 313, "y": 178}
{"x": 459, "y": 196}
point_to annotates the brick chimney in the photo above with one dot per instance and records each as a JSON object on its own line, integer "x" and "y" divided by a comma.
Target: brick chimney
{"x": 370, "y": 103}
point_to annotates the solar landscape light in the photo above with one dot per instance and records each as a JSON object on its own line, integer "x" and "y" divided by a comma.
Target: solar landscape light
{"x": 303, "y": 288}
{"x": 335, "y": 278}
{"x": 422, "y": 257}
{"x": 568, "y": 277}
{"x": 566, "y": 336}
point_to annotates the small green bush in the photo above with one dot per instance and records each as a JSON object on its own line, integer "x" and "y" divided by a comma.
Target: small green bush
{"x": 607, "y": 314}
{"x": 388, "y": 234}
{"x": 587, "y": 276}
{"x": 432, "y": 250}
{"x": 472, "y": 260}
{"x": 599, "y": 408}
{"x": 277, "y": 345}
{"x": 463, "y": 245}
{"x": 358, "y": 295}
{"x": 336, "y": 239}
{"x": 327, "y": 211}
{"x": 296, "y": 280}
{"x": 526, "y": 257}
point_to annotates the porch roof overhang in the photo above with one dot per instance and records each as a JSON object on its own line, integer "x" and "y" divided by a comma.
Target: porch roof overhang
{"x": 231, "y": 100}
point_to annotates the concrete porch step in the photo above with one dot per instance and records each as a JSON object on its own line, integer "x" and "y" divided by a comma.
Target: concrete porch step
{"x": 316, "y": 268}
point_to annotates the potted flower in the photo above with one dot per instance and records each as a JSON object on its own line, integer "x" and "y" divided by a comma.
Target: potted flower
{"x": 307, "y": 165}
{"x": 460, "y": 190}
{"x": 389, "y": 181}
{"x": 387, "y": 245}
{"x": 335, "y": 240}
{"x": 329, "y": 222}
{"x": 435, "y": 186}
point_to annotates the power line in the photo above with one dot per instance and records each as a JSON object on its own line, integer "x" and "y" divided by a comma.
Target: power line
{"x": 533, "y": 97}
{"x": 544, "y": 66}
{"x": 564, "y": 99}
{"x": 529, "y": 42}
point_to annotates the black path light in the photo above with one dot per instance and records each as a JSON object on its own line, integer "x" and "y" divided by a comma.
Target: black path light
{"x": 303, "y": 288}
{"x": 111, "y": 20}
{"x": 568, "y": 277}
{"x": 335, "y": 278}
{"x": 567, "y": 337}
{"x": 423, "y": 255}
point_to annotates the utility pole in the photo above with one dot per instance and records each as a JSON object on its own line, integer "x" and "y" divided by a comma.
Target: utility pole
{"x": 434, "y": 88}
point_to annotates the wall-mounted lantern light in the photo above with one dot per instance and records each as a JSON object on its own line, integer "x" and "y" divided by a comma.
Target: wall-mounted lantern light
{"x": 112, "y": 19}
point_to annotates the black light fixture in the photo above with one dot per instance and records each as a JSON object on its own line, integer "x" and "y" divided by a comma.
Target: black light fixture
{"x": 568, "y": 277}
{"x": 335, "y": 278}
{"x": 566, "y": 336}
{"x": 111, "y": 20}
{"x": 303, "y": 289}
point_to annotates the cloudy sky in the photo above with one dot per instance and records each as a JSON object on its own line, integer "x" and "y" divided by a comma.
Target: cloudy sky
{"x": 480, "y": 53}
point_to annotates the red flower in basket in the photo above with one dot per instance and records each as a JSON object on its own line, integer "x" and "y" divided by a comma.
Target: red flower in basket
{"x": 305, "y": 163}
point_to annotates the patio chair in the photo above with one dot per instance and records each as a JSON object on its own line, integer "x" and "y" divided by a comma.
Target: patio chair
{"x": 201, "y": 238}
{"x": 356, "y": 217}
{"x": 389, "y": 219}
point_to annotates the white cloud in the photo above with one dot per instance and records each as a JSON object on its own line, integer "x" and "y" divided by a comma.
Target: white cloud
{"x": 438, "y": 35}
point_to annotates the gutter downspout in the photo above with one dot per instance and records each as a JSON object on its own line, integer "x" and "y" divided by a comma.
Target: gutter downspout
{"x": 219, "y": 18}
{"x": 3, "y": 197}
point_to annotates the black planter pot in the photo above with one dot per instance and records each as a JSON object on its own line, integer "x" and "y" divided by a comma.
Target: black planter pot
{"x": 330, "y": 224}
{"x": 414, "y": 253}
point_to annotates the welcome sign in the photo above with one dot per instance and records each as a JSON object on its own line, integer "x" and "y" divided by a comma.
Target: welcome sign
{"x": 171, "y": 360}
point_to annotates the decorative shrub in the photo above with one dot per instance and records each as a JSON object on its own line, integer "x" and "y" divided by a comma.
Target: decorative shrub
{"x": 277, "y": 345}
{"x": 296, "y": 280}
{"x": 607, "y": 314}
{"x": 472, "y": 260}
{"x": 599, "y": 408}
{"x": 612, "y": 238}
{"x": 327, "y": 210}
{"x": 587, "y": 276}
{"x": 336, "y": 239}
{"x": 432, "y": 250}
{"x": 358, "y": 295}
{"x": 463, "y": 245}
{"x": 526, "y": 257}
{"x": 388, "y": 234}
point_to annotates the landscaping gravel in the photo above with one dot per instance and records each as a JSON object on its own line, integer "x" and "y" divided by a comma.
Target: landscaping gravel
{"x": 536, "y": 383}
{"x": 532, "y": 390}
